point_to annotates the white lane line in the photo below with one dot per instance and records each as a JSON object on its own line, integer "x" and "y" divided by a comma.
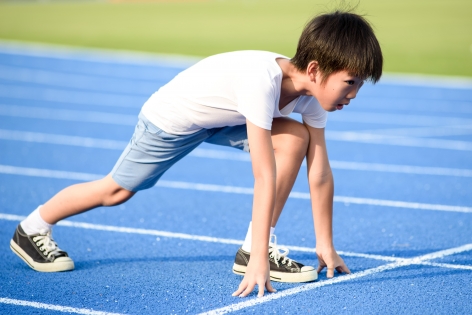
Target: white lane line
{"x": 405, "y": 169}
{"x": 87, "y": 142}
{"x": 384, "y": 119}
{"x": 202, "y": 238}
{"x": 191, "y": 237}
{"x": 405, "y": 79}
{"x": 210, "y": 239}
{"x": 121, "y": 119}
{"x": 353, "y": 276}
{"x": 113, "y": 56}
{"x": 402, "y": 204}
{"x": 442, "y": 253}
{"x": 357, "y": 117}
{"x": 15, "y": 170}
{"x": 451, "y": 266}
{"x": 97, "y": 55}
{"x": 349, "y": 254}
{"x": 129, "y": 230}
{"x": 72, "y": 97}
{"x": 438, "y": 131}
{"x": 371, "y": 138}
{"x": 107, "y": 83}
{"x": 421, "y": 260}
{"x": 302, "y": 195}
{"x": 37, "y": 172}
{"x": 68, "y": 115}
{"x": 61, "y": 139}
{"x": 59, "y": 308}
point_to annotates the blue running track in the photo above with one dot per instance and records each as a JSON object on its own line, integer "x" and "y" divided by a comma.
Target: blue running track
{"x": 402, "y": 160}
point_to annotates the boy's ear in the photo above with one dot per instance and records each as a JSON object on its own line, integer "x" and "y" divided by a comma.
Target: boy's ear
{"x": 312, "y": 70}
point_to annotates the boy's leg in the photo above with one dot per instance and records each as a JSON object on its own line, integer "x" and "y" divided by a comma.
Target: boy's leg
{"x": 81, "y": 197}
{"x": 33, "y": 240}
{"x": 290, "y": 141}
{"x": 150, "y": 153}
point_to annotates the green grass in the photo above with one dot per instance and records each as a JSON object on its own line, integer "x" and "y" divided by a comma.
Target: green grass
{"x": 418, "y": 36}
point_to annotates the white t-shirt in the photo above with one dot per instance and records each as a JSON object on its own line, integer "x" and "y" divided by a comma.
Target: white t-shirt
{"x": 225, "y": 90}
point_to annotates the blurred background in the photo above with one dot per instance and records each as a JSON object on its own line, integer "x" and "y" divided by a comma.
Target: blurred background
{"x": 417, "y": 36}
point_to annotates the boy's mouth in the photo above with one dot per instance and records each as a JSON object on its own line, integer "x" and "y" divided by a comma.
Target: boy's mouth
{"x": 339, "y": 106}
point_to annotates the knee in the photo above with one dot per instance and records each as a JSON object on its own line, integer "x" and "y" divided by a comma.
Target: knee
{"x": 114, "y": 194}
{"x": 117, "y": 197}
{"x": 293, "y": 138}
{"x": 301, "y": 141}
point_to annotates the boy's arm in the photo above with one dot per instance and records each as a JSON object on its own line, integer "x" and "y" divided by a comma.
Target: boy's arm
{"x": 321, "y": 183}
{"x": 263, "y": 167}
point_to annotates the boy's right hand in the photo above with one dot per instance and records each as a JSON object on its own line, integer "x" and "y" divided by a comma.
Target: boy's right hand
{"x": 329, "y": 258}
{"x": 257, "y": 272}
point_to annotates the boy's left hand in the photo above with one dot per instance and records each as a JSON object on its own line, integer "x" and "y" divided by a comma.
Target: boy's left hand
{"x": 328, "y": 257}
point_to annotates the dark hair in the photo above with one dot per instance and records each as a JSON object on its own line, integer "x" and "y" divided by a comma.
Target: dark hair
{"x": 340, "y": 41}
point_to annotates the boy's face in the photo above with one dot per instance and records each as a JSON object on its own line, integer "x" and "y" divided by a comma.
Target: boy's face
{"x": 337, "y": 91}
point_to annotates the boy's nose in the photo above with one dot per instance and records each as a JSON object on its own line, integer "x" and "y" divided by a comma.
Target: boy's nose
{"x": 352, "y": 94}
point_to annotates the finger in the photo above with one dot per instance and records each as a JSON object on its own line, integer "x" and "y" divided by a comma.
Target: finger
{"x": 343, "y": 268}
{"x": 248, "y": 291}
{"x": 241, "y": 288}
{"x": 269, "y": 287}
{"x": 261, "y": 291}
{"x": 330, "y": 272}
{"x": 237, "y": 292}
{"x": 320, "y": 268}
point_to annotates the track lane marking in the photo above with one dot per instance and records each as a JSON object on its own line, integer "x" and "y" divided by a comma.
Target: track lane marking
{"x": 332, "y": 135}
{"x": 375, "y": 117}
{"x": 35, "y": 172}
{"x": 374, "y": 138}
{"x": 59, "y": 308}
{"x": 397, "y": 262}
{"x": 201, "y": 238}
{"x": 274, "y": 296}
{"x": 87, "y": 142}
{"x": 127, "y": 57}
{"x": 419, "y": 132}
{"x": 443, "y": 265}
{"x": 68, "y": 115}
{"x": 97, "y": 55}
{"x": 191, "y": 237}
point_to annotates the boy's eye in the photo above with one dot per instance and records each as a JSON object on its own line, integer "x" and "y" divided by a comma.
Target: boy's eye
{"x": 350, "y": 82}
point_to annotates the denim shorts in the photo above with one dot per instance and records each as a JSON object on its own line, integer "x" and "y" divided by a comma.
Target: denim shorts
{"x": 151, "y": 151}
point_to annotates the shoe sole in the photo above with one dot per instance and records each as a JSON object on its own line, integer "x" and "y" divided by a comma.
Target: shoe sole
{"x": 306, "y": 276}
{"x": 43, "y": 267}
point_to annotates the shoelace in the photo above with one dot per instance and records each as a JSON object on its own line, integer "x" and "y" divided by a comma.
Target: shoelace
{"x": 46, "y": 244}
{"x": 274, "y": 252}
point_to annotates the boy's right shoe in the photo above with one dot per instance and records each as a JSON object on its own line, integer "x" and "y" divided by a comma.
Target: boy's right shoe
{"x": 40, "y": 251}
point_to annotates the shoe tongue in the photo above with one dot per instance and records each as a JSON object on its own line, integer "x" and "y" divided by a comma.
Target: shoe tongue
{"x": 61, "y": 254}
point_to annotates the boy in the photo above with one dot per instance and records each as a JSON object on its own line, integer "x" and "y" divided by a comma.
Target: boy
{"x": 239, "y": 99}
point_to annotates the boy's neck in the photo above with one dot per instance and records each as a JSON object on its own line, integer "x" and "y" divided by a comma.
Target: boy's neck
{"x": 293, "y": 81}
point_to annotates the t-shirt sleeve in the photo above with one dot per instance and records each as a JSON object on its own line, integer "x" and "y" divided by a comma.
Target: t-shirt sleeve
{"x": 312, "y": 113}
{"x": 256, "y": 98}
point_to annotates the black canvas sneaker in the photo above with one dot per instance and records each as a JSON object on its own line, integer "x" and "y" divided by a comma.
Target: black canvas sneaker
{"x": 40, "y": 251}
{"x": 282, "y": 268}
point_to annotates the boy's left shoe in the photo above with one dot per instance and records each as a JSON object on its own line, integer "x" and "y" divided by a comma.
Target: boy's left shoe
{"x": 282, "y": 268}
